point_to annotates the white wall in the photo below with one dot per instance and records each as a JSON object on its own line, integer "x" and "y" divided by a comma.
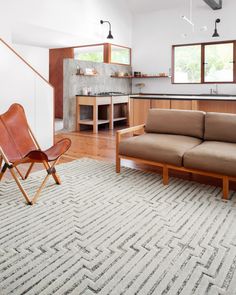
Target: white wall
{"x": 20, "y": 84}
{"x": 37, "y": 57}
{"x": 154, "y": 34}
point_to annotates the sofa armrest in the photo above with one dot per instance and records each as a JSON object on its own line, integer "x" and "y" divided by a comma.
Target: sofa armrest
{"x": 119, "y": 133}
{"x": 130, "y": 129}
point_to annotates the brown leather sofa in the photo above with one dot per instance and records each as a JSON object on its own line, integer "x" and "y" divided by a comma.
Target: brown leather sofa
{"x": 191, "y": 141}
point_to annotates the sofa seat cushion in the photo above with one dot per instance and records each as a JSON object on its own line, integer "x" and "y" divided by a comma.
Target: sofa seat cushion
{"x": 212, "y": 156}
{"x": 162, "y": 148}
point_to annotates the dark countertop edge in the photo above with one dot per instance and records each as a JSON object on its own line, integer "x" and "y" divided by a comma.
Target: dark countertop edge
{"x": 93, "y": 95}
{"x": 185, "y": 97}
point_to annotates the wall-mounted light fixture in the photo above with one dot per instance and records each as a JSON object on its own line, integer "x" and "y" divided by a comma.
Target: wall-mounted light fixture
{"x": 215, "y": 31}
{"x": 109, "y": 35}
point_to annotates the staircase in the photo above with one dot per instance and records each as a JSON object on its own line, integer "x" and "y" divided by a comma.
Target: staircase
{"x": 21, "y": 83}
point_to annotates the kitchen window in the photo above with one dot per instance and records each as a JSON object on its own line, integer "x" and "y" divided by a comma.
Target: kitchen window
{"x": 204, "y": 63}
{"x": 120, "y": 55}
{"x": 104, "y": 52}
{"x": 90, "y": 53}
{"x": 187, "y": 64}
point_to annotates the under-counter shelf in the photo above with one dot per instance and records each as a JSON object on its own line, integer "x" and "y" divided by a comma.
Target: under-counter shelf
{"x": 105, "y": 110}
{"x": 120, "y": 119}
{"x": 90, "y": 122}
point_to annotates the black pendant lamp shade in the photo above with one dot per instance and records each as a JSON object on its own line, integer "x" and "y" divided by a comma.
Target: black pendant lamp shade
{"x": 216, "y": 34}
{"x": 110, "y": 34}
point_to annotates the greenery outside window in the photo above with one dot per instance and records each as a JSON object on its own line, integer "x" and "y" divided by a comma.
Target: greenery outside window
{"x": 204, "y": 63}
{"x": 90, "y": 53}
{"x": 187, "y": 64}
{"x": 120, "y": 55}
{"x": 218, "y": 63}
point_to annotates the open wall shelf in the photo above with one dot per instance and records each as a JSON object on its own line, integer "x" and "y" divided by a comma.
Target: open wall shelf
{"x": 139, "y": 77}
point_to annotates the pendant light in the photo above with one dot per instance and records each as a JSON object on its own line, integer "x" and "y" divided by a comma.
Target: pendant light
{"x": 216, "y": 34}
{"x": 109, "y": 35}
{"x": 190, "y": 18}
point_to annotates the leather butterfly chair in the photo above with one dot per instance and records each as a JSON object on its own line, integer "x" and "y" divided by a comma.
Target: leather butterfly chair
{"x": 19, "y": 146}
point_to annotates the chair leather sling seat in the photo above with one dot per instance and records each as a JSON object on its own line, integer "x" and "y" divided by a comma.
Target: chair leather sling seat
{"x": 162, "y": 148}
{"x": 19, "y": 146}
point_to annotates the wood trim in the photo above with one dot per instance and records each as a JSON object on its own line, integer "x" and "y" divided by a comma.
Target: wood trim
{"x": 20, "y": 57}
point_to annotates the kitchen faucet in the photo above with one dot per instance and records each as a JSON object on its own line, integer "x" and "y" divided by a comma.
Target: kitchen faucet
{"x": 214, "y": 91}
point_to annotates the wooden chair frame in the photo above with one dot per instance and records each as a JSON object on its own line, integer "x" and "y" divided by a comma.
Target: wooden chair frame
{"x": 137, "y": 130}
{"x": 51, "y": 171}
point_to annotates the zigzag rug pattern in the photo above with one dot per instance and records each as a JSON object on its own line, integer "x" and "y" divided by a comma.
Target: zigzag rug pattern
{"x": 103, "y": 233}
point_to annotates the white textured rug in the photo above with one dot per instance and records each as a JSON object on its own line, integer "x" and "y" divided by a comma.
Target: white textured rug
{"x": 103, "y": 233}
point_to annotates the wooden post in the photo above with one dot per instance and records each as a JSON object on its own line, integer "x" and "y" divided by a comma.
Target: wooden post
{"x": 117, "y": 152}
{"x": 95, "y": 118}
{"x": 165, "y": 175}
{"x": 111, "y": 115}
{"x": 225, "y": 187}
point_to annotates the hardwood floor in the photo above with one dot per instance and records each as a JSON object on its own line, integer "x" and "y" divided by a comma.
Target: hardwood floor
{"x": 101, "y": 146}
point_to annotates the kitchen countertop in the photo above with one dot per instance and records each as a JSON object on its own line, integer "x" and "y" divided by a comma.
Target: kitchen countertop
{"x": 101, "y": 95}
{"x": 162, "y": 96}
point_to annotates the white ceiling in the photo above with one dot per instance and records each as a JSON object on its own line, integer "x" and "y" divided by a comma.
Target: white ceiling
{"x": 139, "y": 6}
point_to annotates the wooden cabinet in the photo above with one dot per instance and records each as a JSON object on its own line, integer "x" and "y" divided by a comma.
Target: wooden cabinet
{"x": 181, "y": 104}
{"x": 139, "y": 107}
{"x": 139, "y": 111}
{"x": 217, "y": 106}
{"x": 160, "y": 104}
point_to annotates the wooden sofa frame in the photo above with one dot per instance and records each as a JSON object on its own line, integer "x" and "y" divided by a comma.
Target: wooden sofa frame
{"x": 165, "y": 167}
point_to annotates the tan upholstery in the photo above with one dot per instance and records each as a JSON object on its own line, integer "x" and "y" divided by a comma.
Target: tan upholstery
{"x": 212, "y": 156}
{"x": 180, "y": 122}
{"x": 220, "y": 127}
{"x": 162, "y": 148}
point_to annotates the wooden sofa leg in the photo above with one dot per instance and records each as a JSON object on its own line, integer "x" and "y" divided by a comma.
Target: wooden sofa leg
{"x": 225, "y": 188}
{"x": 165, "y": 175}
{"x": 117, "y": 164}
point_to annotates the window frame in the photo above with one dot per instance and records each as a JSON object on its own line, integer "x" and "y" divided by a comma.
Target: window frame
{"x": 202, "y": 78}
{"x": 115, "y": 63}
{"x": 107, "y": 52}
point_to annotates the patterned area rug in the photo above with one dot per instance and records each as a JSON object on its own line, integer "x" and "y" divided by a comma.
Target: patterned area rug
{"x": 103, "y": 233}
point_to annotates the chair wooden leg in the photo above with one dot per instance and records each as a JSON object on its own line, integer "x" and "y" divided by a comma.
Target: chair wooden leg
{"x": 225, "y": 187}
{"x": 165, "y": 175}
{"x": 54, "y": 174}
{"x": 3, "y": 171}
{"x": 21, "y": 175}
{"x": 36, "y": 196}
{"x": 20, "y": 186}
{"x": 29, "y": 170}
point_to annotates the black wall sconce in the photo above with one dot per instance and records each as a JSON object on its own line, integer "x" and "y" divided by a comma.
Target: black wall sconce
{"x": 109, "y": 35}
{"x": 215, "y": 31}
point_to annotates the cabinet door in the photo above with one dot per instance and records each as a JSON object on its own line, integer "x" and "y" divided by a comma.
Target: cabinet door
{"x": 160, "y": 104}
{"x": 140, "y": 111}
{"x": 217, "y": 106}
{"x": 181, "y": 104}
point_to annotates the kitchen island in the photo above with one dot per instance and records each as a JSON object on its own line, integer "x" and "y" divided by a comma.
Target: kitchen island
{"x": 141, "y": 103}
{"x": 95, "y": 110}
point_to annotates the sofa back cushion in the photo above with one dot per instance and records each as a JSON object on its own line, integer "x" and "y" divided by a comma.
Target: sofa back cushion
{"x": 181, "y": 122}
{"x": 220, "y": 127}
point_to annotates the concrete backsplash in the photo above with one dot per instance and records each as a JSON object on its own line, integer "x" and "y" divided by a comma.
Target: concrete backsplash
{"x": 73, "y": 85}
